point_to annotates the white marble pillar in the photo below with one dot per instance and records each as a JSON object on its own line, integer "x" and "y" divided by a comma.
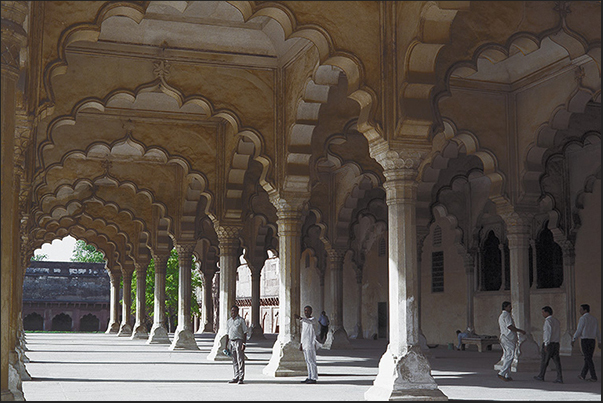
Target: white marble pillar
{"x": 125, "y": 328}
{"x": 114, "y": 308}
{"x": 469, "y": 262}
{"x": 159, "y": 333}
{"x": 230, "y": 252}
{"x": 184, "y": 338}
{"x": 337, "y": 337}
{"x": 422, "y": 338}
{"x": 569, "y": 285}
{"x": 518, "y": 234}
{"x": 140, "y": 328}
{"x": 404, "y": 371}
{"x": 358, "y": 328}
{"x": 256, "y": 331}
{"x": 208, "y": 303}
{"x": 287, "y": 359}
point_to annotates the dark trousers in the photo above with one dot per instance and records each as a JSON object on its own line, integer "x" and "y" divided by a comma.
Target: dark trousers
{"x": 552, "y": 352}
{"x": 588, "y": 349}
{"x": 323, "y": 333}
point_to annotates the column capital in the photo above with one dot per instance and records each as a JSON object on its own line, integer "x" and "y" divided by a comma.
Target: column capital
{"x": 518, "y": 224}
{"x": 228, "y": 239}
{"x": 160, "y": 261}
{"x": 336, "y": 255}
{"x": 393, "y": 157}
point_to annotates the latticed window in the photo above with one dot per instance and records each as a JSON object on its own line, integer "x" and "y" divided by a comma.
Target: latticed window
{"x": 437, "y": 236}
{"x": 382, "y": 247}
{"x": 437, "y": 272}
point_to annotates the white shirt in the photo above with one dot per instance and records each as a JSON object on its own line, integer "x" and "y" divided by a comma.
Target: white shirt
{"x": 308, "y": 333}
{"x": 551, "y": 331}
{"x": 588, "y": 328}
{"x": 236, "y": 328}
{"x": 504, "y": 321}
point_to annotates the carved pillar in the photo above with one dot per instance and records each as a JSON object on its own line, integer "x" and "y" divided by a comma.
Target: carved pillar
{"x": 404, "y": 372}
{"x": 286, "y": 359}
{"x": 569, "y": 284}
{"x": 469, "y": 262}
{"x": 140, "y": 327}
{"x": 184, "y": 338}
{"x": 503, "y": 264}
{"x": 159, "y": 333}
{"x": 422, "y": 338}
{"x": 208, "y": 303}
{"x": 337, "y": 336}
{"x": 230, "y": 252}
{"x": 518, "y": 234}
{"x": 358, "y": 329}
{"x": 534, "y": 265}
{"x": 125, "y": 329}
{"x": 13, "y": 39}
{"x": 114, "y": 277}
{"x": 256, "y": 331}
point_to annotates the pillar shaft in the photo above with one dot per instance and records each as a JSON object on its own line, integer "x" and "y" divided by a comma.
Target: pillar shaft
{"x": 159, "y": 333}
{"x": 140, "y": 327}
{"x": 358, "y": 330}
{"x": 208, "y": 303}
{"x": 256, "y": 327}
{"x": 114, "y": 277}
{"x": 125, "y": 328}
{"x": 337, "y": 336}
{"x": 469, "y": 261}
{"x": 184, "y": 337}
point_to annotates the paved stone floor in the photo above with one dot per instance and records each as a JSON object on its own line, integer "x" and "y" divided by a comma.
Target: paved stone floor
{"x": 106, "y": 367}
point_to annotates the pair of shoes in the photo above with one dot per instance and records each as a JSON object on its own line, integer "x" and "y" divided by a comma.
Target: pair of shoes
{"x": 592, "y": 379}
{"x": 539, "y": 378}
{"x": 241, "y": 382}
{"x": 235, "y": 380}
{"x": 506, "y": 379}
{"x": 305, "y": 380}
{"x": 558, "y": 381}
{"x": 581, "y": 377}
{"x": 311, "y": 381}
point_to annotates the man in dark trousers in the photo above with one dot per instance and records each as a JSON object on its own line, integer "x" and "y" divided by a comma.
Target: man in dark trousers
{"x": 323, "y": 320}
{"x": 587, "y": 331}
{"x": 551, "y": 336}
{"x": 236, "y": 339}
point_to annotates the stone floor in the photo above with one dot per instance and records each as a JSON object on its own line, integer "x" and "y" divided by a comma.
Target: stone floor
{"x": 82, "y": 367}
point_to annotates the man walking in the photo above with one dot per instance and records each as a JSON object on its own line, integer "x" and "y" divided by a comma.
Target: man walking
{"x": 551, "y": 336}
{"x": 323, "y": 320}
{"x": 236, "y": 339}
{"x": 508, "y": 340}
{"x": 588, "y": 329}
{"x": 309, "y": 343}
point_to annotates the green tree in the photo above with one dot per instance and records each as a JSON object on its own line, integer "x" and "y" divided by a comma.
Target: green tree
{"x": 82, "y": 252}
{"x": 39, "y": 257}
{"x": 171, "y": 290}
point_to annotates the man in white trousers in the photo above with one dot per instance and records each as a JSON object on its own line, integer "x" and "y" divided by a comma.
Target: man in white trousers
{"x": 308, "y": 343}
{"x": 508, "y": 340}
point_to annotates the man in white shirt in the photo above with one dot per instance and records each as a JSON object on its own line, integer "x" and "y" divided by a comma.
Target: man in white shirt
{"x": 309, "y": 343}
{"x": 508, "y": 340}
{"x": 551, "y": 335}
{"x": 588, "y": 330}
{"x": 236, "y": 339}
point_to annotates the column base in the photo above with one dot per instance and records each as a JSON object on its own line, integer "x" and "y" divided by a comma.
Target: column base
{"x": 404, "y": 378}
{"x": 257, "y": 333}
{"x": 184, "y": 339}
{"x": 113, "y": 328}
{"x": 216, "y": 353}
{"x": 20, "y": 366}
{"x": 158, "y": 335}
{"x": 423, "y": 344}
{"x": 566, "y": 348}
{"x": 7, "y": 395}
{"x": 125, "y": 330}
{"x": 337, "y": 339}
{"x": 357, "y": 332}
{"x": 139, "y": 332}
{"x": 15, "y": 384}
{"x": 286, "y": 360}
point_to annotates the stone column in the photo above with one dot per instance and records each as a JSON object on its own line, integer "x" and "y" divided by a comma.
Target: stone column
{"x": 518, "y": 233}
{"x": 404, "y": 371}
{"x": 569, "y": 283}
{"x": 13, "y": 39}
{"x": 422, "y": 338}
{"x": 358, "y": 328}
{"x": 230, "y": 251}
{"x": 286, "y": 359}
{"x": 184, "y": 338}
{"x": 159, "y": 333}
{"x": 503, "y": 264}
{"x": 140, "y": 328}
{"x": 208, "y": 303}
{"x": 534, "y": 265}
{"x": 256, "y": 332}
{"x": 114, "y": 277}
{"x": 337, "y": 336}
{"x": 125, "y": 329}
{"x": 469, "y": 262}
